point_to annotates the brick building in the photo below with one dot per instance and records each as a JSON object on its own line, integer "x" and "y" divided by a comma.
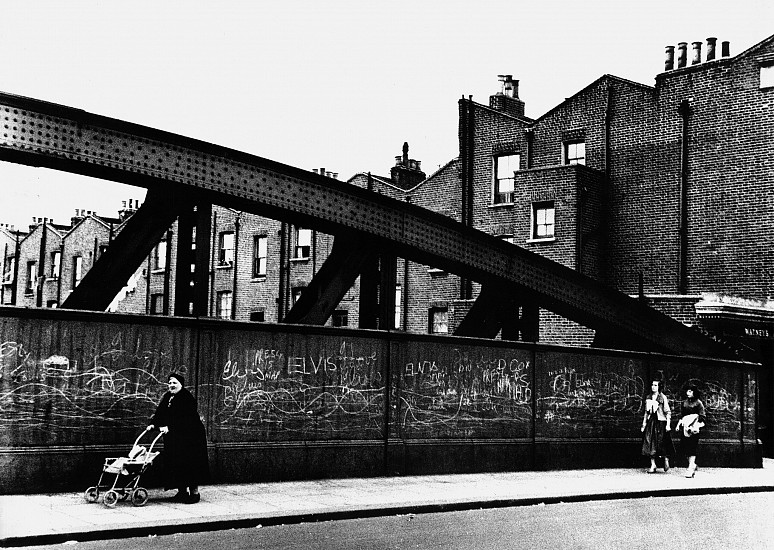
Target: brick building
{"x": 658, "y": 191}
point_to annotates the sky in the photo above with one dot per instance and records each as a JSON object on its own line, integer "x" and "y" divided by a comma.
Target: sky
{"x": 337, "y": 84}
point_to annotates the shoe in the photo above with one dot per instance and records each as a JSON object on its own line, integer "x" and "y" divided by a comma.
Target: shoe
{"x": 193, "y": 499}
{"x": 179, "y": 497}
{"x": 652, "y": 470}
{"x": 690, "y": 472}
{"x": 666, "y": 465}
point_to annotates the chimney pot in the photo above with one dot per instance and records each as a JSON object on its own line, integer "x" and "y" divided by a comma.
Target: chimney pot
{"x": 669, "y": 62}
{"x": 696, "y": 53}
{"x": 725, "y": 48}
{"x": 682, "y": 53}
{"x": 711, "y": 41}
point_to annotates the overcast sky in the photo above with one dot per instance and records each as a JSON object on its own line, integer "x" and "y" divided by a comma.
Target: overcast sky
{"x": 336, "y": 84}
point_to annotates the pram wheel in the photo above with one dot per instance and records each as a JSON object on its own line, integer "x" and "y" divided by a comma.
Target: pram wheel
{"x": 140, "y": 496}
{"x": 111, "y": 498}
{"x": 91, "y": 494}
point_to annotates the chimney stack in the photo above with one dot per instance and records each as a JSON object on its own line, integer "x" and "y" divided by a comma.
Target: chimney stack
{"x": 407, "y": 172}
{"x": 682, "y": 54}
{"x": 711, "y": 48}
{"x": 510, "y": 87}
{"x": 696, "y": 53}
{"x": 669, "y": 62}
{"x": 507, "y": 100}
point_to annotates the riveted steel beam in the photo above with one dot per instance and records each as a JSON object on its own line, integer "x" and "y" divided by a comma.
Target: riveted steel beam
{"x": 329, "y": 285}
{"x": 43, "y": 134}
{"x": 498, "y": 309}
{"x": 127, "y": 251}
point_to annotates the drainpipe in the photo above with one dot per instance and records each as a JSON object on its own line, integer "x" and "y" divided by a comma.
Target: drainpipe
{"x": 605, "y": 198}
{"x": 16, "y": 255}
{"x": 59, "y": 275}
{"x": 405, "y": 297}
{"x": 213, "y": 236}
{"x": 281, "y": 283}
{"x": 2, "y": 290}
{"x": 581, "y": 209}
{"x": 148, "y": 267}
{"x": 237, "y": 224}
{"x": 167, "y": 272}
{"x": 682, "y": 274}
{"x": 467, "y": 135}
{"x": 471, "y": 155}
{"x": 41, "y": 264}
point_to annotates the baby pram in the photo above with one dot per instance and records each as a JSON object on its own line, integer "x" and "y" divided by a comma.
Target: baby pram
{"x": 126, "y": 471}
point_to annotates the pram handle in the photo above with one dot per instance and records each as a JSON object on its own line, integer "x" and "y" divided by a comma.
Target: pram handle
{"x": 139, "y": 437}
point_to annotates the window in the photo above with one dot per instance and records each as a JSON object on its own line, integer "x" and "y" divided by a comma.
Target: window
{"x": 575, "y": 152}
{"x": 226, "y": 249}
{"x": 77, "y": 270}
{"x": 340, "y": 318}
{"x": 439, "y": 320}
{"x": 102, "y": 249}
{"x": 398, "y": 303}
{"x": 767, "y": 76}
{"x": 157, "y": 304}
{"x": 32, "y": 274}
{"x": 259, "y": 316}
{"x": 543, "y": 220}
{"x": 504, "y": 168}
{"x": 259, "y": 256}
{"x": 56, "y": 263}
{"x": 160, "y": 256}
{"x": 8, "y": 270}
{"x": 303, "y": 243}
{"x": 224, "y": 304}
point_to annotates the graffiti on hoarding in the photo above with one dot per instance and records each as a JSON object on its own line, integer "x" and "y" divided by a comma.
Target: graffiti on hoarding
{"x": 574, "y": 395}
{"x": 60, "y": 393}
{"x": 325, "y": 390}
{"x": 470, "y": 392}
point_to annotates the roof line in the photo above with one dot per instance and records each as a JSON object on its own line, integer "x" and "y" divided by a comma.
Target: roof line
{"x": 592, "y": 84}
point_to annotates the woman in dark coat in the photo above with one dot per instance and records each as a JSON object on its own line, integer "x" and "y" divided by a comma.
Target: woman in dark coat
{"x": 186, "y": 465}
{"x": 692, "y": 421}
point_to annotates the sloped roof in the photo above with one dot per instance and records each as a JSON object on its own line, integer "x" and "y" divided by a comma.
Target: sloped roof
{"x": 594, "y": 84}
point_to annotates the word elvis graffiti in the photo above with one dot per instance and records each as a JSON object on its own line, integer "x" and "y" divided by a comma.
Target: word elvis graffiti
{"x": 322, "y": 392}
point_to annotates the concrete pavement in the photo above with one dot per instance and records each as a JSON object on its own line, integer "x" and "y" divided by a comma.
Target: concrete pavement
{"x": 27, "y": 520}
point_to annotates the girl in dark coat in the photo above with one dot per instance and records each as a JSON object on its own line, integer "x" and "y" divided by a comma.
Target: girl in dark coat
{"x": 185, "y": 441}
